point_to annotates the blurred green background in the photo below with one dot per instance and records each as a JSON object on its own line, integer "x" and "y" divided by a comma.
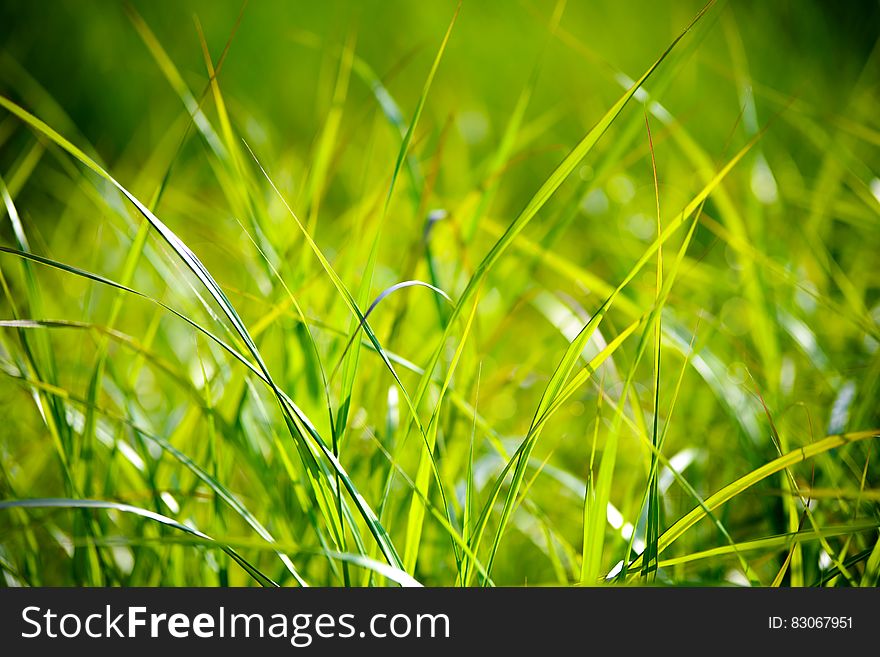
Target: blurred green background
{"x": 778, "y": 294}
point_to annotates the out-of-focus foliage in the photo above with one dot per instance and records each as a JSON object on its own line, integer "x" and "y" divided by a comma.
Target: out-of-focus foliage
{"x": 756, "y": 337}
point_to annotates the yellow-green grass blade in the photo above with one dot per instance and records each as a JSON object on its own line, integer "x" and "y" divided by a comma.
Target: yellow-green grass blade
{"x": 468, "y": 513}
{"x": 517, "y": 463}
{"x": 567, "y": 363}
{"x": 236, "y": 183}
{"x": 589, "y": 506}
{"x": 343, "y": 292}
{"x": 871, "y": 575}
{"x": 727, "y": 493}
{"x": 320, "y": 163}
{"x": 389, "y": 107}
{"x": 293, "y": 415}
{"x": 410, "y": 131}
{"x": 773, "y": 543}
{"x": 652, "y": 532}
{"x": 169, "y": 70}
{"x": 469, "y": 551}
{"x": 222, "y": 114}
{"x": 540, "y": 198}
{"x": 427, "y": 463}
{"x": 318, "y": 173}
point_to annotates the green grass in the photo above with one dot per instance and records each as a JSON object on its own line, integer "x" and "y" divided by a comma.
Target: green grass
{"x": 569, "y": 295}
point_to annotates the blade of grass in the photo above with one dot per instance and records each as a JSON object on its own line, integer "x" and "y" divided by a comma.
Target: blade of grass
{"x": 427, "y": 463}
{"x": 649, "y": 564}
{"x": 565, "y": 366}
{"x": 745, "y": 482}
{"x": 782, "y": 541}
{"x": 61, "y": 503}
{"x": 407, "y": 138}
{"x": 540, "y": 198}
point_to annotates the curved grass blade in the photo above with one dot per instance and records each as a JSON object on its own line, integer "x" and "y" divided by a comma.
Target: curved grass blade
{"x": 295, "y": 419}
{"x": 540, "y": 198}
{"x": 227, "y": 496}
{"x": 563, "y": 370}
{"x": 63, "y": 503}
{"x": 382, "y": 295}
{"x": 393, "y": 574}
{"x": 745, "y": 482}
{"x": 779, "y": 542}
{"x": 42, "y": 362}
{"x": 342, "y": 289}
{"x": 297, "y": 422}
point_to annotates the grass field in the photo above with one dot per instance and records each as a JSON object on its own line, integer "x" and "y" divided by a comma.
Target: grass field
{"x": 396, "y": 293}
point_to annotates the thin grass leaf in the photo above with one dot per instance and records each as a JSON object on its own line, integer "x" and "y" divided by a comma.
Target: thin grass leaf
{"x": 771, "y": 543}
{"x": 60, "y": 503}
{"x": 745, "y": 482}
{"x": 407, "y": 138}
